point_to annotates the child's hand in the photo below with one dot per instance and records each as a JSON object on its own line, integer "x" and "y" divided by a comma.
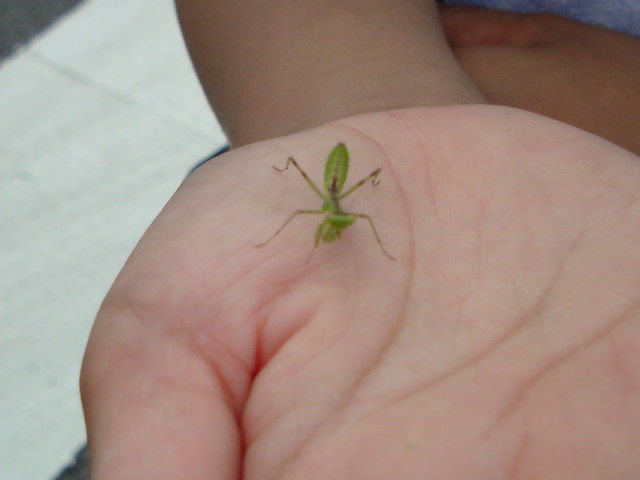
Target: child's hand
{"x": 583, "y": 75}
{"x": 502, "y": 343}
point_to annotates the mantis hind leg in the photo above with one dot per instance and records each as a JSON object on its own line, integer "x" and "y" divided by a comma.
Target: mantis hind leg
{"x": 375, "y": 232}
{"x": 297, "y": 212}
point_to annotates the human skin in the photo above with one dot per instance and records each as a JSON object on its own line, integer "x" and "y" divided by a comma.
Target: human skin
{"x": 273, "y": 68}
{"x": 500, "y": 344}
{"x": 583, "y": 75}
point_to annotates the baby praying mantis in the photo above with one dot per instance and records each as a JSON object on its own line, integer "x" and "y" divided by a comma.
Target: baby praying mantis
{"x": 336, "y": 220}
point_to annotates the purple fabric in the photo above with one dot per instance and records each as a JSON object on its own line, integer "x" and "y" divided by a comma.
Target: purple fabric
{"x": 620, "y": 15}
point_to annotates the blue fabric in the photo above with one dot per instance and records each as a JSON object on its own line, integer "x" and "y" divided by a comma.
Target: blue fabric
{"x": 620, "y": 15}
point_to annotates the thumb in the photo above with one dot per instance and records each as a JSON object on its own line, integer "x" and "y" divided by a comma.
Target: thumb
{"x": 154, "y": 408}
{"x": 470, "y": 26}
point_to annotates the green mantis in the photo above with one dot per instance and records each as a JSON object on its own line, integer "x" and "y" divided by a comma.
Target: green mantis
{"x": 336, "y": 220}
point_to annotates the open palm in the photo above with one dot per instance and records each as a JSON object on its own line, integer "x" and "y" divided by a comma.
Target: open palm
{"x": 502, "y": 343}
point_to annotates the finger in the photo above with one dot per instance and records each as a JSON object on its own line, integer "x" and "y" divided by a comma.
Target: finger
{"x": 472, "y": 26}
{"x": 154, "y": 408}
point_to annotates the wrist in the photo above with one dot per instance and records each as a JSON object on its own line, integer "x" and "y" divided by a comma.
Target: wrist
{"x": 280, "y": 67}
